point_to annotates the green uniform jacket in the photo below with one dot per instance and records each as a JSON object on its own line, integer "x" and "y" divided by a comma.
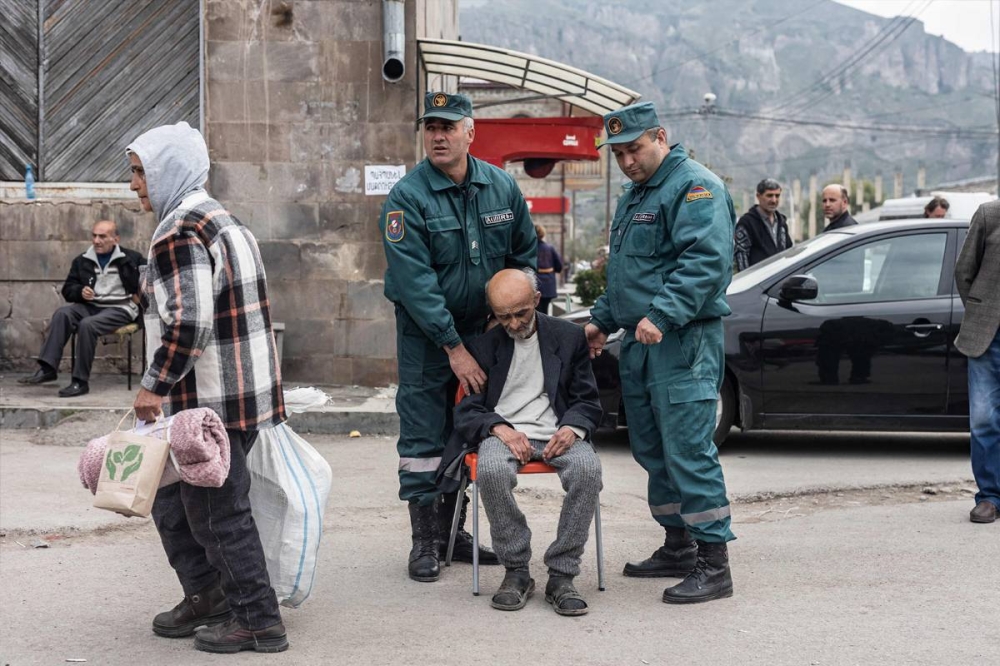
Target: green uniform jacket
{"x": 442, "y": 245}
{"x": 671, "y": 253}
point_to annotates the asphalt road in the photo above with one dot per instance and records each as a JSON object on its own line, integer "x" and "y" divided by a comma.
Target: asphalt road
{"x": 852, "y": 549}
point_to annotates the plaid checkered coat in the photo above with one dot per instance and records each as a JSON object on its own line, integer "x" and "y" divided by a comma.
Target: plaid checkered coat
{"x": 208, "y": 321}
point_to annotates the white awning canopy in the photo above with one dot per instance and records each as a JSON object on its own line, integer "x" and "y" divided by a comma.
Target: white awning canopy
{"x": 527, "y": 72}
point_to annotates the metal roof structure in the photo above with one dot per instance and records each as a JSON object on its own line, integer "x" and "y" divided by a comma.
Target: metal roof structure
{"x": 524, "y": 71}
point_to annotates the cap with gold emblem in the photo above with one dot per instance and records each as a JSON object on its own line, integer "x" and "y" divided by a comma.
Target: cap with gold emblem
{"x": 449, "y": 106}
{"x": 628, "y": 123}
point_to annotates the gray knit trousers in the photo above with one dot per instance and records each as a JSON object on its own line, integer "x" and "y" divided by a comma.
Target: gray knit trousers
{"x": 579, "y": 472}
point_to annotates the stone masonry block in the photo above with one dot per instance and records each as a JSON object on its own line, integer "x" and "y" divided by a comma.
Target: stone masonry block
{"x": 317, "y": 369}
{"x": 360, "y": 338}
{"x": 314, "y": 142}
{"x": 293, "y": 182}
{"x": 292, "y": 61}
{"x": 292, "y": 299}
{"x": 42, "y": 260}
{"x": 234, "y": 61}
{"x": 346, "y": 62}
{"x": 392, "y": 143}
{"x": 280, "y": 259}
{"x": 238, "y": 101}
{"x": 366, "y": 300}
{"x": 312, "y": 336}
{"x": 238, "y": 182}
{"x": 293, "y": 221}
{"x": 347, "y": 222}
{"x": 353, "y": 261}
{"x": 35, "y": 300}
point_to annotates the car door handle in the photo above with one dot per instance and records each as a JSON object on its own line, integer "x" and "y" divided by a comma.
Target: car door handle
{"x": 924, "y": 330}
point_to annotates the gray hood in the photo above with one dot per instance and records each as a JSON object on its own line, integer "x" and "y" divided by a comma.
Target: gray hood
{"x": 175, "y": 159}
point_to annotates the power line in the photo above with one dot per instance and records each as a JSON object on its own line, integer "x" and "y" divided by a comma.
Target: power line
{"x": 926, "y": 130}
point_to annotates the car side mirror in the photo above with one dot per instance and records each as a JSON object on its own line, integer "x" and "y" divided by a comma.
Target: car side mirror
{"x": 798, "y": 288}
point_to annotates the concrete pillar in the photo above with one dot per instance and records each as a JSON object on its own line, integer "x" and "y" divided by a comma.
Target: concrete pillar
{"x": 746, "y": 202}
{"x": 859, "y": 192}
{"x": 878, "y": 188}
{"x": 921, "y": 178}
{"x": 897, "y": 184}
{"x": 813, "y": 212}
{"x": 846, "y": 181}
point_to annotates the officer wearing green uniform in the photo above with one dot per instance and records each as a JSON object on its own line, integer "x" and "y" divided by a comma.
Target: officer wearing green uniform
{"x": 447, "y": 227}
{"x": 669, "y": 265}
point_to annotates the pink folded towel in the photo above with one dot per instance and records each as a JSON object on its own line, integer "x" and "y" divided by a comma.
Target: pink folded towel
{"x": 198, "y": 444}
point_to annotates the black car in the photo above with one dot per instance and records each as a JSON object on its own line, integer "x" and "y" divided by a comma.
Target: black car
{"x": 851, "y": 330}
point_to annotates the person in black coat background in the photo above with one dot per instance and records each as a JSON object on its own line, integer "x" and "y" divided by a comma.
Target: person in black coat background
{"x": 763, "y": 230}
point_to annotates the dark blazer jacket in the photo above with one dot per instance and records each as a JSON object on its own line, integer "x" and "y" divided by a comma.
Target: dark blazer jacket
{"x": 569, "y": 383}
{"x": 977, "y": 274}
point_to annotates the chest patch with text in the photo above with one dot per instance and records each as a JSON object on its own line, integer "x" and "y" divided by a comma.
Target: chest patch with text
{"x": 644, "y": 218}
{"x": 498, "y": 218}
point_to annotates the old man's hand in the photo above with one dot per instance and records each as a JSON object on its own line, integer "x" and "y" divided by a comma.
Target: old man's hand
{"x": 595, "y": 340}
{"x": 516, "y": 441}
{"x": 559, "y": 443}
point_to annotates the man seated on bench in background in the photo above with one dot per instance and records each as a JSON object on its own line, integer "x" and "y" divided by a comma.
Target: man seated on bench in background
{"x": 540, "y": 403}
{"x": 101, "y": 288}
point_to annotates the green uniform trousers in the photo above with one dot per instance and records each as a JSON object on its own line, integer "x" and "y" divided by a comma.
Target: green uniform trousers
{"x": 670, "y": 391}
{"x": 425, "y": 400}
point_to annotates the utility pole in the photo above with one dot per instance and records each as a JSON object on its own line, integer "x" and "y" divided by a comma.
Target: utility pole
{"x": 796, "y": 209}
{"x": 812, "y": 206}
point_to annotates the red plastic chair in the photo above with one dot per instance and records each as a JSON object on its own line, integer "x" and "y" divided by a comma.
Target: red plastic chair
{"x": 534, "y": 467}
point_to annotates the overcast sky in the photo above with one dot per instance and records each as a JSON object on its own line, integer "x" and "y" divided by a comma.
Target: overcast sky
{"x": 964, "y": 22}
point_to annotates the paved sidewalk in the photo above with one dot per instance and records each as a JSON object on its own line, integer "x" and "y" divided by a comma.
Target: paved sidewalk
{"x": 371, "y": 411}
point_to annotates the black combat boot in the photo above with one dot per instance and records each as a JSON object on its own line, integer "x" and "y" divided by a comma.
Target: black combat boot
{"x": 463, "y": 540}
{"x": 424, "y": 554}
{"x": 674, "y": 559}
{"x": 207, "y": 607}
{"x": 709, "y": 580}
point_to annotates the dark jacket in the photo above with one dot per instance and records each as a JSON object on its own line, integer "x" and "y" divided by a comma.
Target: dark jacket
{"x": 550, "y": 261}
{"x": 83, "y": 273}
{"x": 569, "y": 383}
{"x": 754, "y": 243}
{"x": 844, "y": 220}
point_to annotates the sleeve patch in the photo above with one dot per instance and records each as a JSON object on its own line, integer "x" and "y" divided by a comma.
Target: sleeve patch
{"x": 394, "y": 229}
{"x": 698, "y": 192}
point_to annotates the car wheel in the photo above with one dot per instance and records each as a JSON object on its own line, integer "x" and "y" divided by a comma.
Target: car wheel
{"x": 725, "y": 412}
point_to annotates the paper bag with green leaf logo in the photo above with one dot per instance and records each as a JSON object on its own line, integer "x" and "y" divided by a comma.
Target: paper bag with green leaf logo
{"x": 130, "y": 476}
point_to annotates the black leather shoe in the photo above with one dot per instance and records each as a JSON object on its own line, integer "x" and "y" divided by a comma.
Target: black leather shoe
{"x": 41, "y": 376}
{"x": 463, "y": 540}
{"x": 985, "y": 512}
{"x": 514, "y": 591}
{"x": 230, "y": 637}
{"x": 206, "y": 608}
{"x": 74, "y": 389}
{"x": 676, "y": 558}
{"x": 423, "y": 563}
{"x": 710, "y": 579}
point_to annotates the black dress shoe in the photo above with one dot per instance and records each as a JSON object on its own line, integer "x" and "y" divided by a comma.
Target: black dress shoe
{"x": 74, "y": 389}
{"x": 41, "y": 376}
{"x": 230, "y": 637}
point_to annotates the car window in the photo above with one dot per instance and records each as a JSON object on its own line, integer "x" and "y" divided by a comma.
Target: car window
{"x": 777, "y": 263}
{"x": 890, "y": 269}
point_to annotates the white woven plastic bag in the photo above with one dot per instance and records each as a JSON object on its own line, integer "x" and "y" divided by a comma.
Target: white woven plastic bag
{"x": 290, "y": 483}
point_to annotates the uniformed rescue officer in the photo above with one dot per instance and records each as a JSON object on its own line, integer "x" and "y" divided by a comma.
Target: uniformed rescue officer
{"x": 447, "y": 227}
{"x": 669, "y": 265}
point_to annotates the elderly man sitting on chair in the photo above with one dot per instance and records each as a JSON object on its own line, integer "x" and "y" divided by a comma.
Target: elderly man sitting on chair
{"x": 540, "y": 403}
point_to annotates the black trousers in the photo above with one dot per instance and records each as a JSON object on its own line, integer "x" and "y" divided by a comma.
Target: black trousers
{"x": 90, "y": 322}
{"x": 209, "y": 535}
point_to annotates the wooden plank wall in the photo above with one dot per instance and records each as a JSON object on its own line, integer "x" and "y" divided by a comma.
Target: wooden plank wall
{"x": 18, "y": 87}
{"x": 112, "y": 70}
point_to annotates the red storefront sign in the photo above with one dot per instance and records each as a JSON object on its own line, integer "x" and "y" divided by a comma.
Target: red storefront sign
{"x": 547, "y": 205}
